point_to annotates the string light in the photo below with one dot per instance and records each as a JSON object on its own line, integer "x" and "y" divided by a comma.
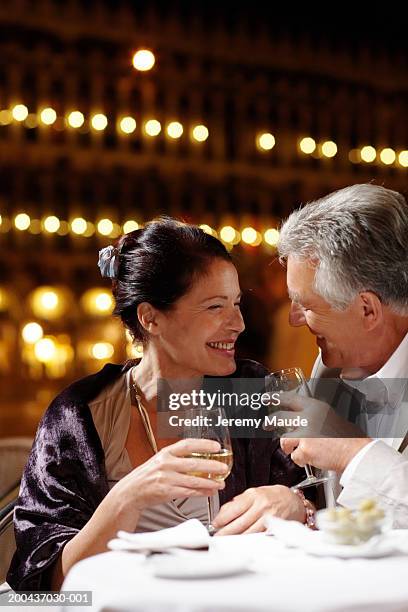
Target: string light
{"x": 387, "y": 156}
{"x": 208, "y": 230}
{"x": 75, "y": 119}
{"x": 99, "y": 122}
{"x": 271, "y": 236}
{"x": 22, "y": 221}
{"x": 250, "y": 236}
{"x": 19, "y": 112}
{"x": 368, "y": 153}
{"x": 51, "y": 224}
{"x": 143, "y": 60}
{"x": 105, "y": 227}
{"x": 329, "y": 148}
{"x": 403, "y": 158}
{"x": 127, "y": 125}
{"x": 307, "y": 145}
{"x": 48, "y": 116}
{"x": 174, "y": 129}
{"x": 200, "y": 133}
{"x": 130, "y": 226}
{"x": 266, "y": 141}
{"x": 152, "y": 127}
{"x": 78, "y": 226}
{"x": 229, "y": 235}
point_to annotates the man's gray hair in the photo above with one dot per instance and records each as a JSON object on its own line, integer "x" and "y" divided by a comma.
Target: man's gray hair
{"x": 357, "y": 238}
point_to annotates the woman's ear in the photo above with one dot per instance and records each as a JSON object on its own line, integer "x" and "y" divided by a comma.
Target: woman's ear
{"x": 371, "y": 310}
{"x": 147, "y": 316}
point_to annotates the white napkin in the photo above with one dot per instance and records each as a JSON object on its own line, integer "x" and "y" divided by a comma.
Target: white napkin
{"x": 294, "y": 535}
{"x": 190, "y": 534}
{"x": 291, "y": 533}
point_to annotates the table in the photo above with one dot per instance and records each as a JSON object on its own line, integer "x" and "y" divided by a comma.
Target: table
{"x": 284, "y": 580}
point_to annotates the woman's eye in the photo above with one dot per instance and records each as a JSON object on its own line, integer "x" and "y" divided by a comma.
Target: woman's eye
{"x": 214, "y": 306}
{"x": 238, "y": 304}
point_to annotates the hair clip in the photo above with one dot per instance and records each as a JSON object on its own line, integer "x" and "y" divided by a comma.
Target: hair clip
{"x": 108, "y": 262}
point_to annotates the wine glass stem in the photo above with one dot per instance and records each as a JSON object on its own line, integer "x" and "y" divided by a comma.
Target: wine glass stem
{"x": 209, "y": 511}
{"x": 309, "y": 471}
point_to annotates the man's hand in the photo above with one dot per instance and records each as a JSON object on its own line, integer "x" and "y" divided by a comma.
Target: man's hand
{"x": 244, "y": 513}
{"x": 322, "y": 420}
{"x": 325, "y": 453}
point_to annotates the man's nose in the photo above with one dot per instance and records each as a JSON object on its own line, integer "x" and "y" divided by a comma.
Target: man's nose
{"x": 296, "y": 315}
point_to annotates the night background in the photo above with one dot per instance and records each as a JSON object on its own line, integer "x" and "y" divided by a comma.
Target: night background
{"x": 248, "y": 111}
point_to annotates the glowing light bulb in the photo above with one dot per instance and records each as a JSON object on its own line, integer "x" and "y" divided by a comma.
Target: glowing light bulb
{"x": 102, "y": 350}
{"x": 368, "y": 154}
{"x": 75, "y": 119}
{"x": 271, "y": 236}
{"x": 266, "y": 141}
{"x": 19, "y": 112}
{"x": 22, "y": 221}
{"x": 143, "y": 60}
{"x": 105, "y": 227}
{"x": 307, "y": 145}
{"x": 127, "y": 125}
{"x": 174, "y": 129}
{"x": 99, "y": 122}
{"x": 152, "y": 127}
{"x": 48, "y": 116}
{"x": 51, "y": 224}
{"x": 329, "y": 148}
{"x": 200, "y": 133}
{"x": 78, "y": 226}
{"x": 32, "y": 332}
{"x": 388, "y": 156}
{"x": 45, "y": 350}
{"x": 130, "y": 226}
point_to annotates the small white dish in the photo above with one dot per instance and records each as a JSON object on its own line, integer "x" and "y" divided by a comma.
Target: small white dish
{"x": 196, "y": 565}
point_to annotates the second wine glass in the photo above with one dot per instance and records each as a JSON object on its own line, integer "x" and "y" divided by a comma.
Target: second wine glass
{"x": 293, "y": 380}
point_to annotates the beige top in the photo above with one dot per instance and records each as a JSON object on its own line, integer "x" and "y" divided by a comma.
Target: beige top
{"x": 111, "y": 412}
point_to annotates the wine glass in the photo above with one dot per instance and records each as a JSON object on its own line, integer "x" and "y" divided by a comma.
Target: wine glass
{"x": 208, "y": 424}
{"x": 293, "y": 380}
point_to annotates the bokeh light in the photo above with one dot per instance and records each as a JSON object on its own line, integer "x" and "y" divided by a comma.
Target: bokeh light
{"x": 143, "y": 60}
{"x": 266, "y": 141}
{"x": 152, "y": 127}
{"x": 32, "y": 332}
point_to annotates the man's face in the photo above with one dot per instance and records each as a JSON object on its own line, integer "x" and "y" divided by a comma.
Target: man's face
{"x": 341, "y": 335}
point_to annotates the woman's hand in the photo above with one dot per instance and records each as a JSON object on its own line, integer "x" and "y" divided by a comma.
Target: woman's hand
{"x": 244, "y": 513}
{"x": 167, "y": 475}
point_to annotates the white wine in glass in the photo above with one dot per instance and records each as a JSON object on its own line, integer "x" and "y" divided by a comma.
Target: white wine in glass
{"x": 207, "y": 428}
{"x": 293, "y": 380}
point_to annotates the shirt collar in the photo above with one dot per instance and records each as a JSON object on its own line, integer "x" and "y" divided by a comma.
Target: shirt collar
{"x": 388, "y": 383}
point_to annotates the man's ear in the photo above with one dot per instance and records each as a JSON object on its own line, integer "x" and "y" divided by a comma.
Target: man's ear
{"x": 371, "y": 310}
{"x": 147, "y": 316}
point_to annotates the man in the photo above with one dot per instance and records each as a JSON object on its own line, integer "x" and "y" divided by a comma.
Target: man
{"x": 347, "y": 275}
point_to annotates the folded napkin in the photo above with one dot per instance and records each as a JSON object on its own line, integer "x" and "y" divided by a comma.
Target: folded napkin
{"x": 190, "y": 534}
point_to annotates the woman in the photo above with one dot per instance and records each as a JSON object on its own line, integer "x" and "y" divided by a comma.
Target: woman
{"x": 96, "y": 466}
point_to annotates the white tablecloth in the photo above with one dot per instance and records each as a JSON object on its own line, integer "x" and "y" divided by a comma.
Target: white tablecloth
{"x": 282, "y": 580}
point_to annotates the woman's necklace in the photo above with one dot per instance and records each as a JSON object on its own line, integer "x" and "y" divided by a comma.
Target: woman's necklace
{"x": 145, "y": 417}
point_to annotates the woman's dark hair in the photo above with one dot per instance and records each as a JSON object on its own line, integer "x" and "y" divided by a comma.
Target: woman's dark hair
{"x": 158, "y": 264}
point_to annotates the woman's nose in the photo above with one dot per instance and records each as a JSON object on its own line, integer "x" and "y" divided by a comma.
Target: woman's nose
{"x": 237, "y": 322}
{"x": 296, "y": 315}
